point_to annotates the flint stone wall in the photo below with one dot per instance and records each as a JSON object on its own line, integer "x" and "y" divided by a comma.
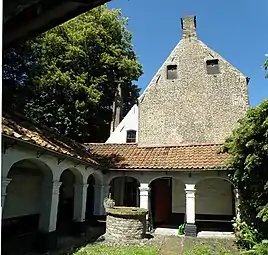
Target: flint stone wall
{"x": 125, "y": 227}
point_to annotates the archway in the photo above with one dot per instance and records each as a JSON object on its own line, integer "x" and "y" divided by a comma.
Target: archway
{"x": 65, "y": 217}
{"x": 24, "y": 206}
{"x": 125, "y": 191}
{"x": 90, "y": 199}
{"x": 215, "y": 205}
{"x": 167, "y": 202}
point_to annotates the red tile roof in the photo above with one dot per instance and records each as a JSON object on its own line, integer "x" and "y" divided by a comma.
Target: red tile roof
{"x": 18, "y": 127}
{"x": 130, "y": 156}
{"x": 117, "y": 156}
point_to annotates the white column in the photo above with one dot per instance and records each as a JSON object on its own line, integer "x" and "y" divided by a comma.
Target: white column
{"x": 190, "y": 227}
{"x": 190, "y": 203}
{"x": 97, "y": 200}
{"x": 144, "y": 195}
{"x": 80, "y": 201}
{"x": 4, "y": 184}
{"x": 49, "y": 208}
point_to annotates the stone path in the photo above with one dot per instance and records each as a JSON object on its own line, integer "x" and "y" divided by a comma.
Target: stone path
{"x": 171, "y": 245}
{"x": 174, "y": 245}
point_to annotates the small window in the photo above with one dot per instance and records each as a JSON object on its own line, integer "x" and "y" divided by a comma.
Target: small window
{"x": 172, "y": 72}
{"x": 131, "y": 136}
{"x": 213, "y": 66}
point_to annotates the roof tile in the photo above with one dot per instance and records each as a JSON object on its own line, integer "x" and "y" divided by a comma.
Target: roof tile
{"x": 131, "y": 156}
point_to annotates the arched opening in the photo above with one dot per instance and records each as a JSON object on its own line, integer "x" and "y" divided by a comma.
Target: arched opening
{"x": 90, "y": 199}
{"x": 68, "y": 178}
{"x": 215, "y": 205}
{"x": 24, "y": 207}
{"x": 125, "y": 191}
{"x": 167, "y": 202}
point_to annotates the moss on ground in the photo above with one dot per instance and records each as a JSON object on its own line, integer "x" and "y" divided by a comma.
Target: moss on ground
{"x": 96, "y": 249}
{"x": 209, "y": 246}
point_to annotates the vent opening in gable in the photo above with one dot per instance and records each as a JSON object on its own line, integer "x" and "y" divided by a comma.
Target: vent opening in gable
{"x": 213, "y": 66}
{"x": 172, "y": 72}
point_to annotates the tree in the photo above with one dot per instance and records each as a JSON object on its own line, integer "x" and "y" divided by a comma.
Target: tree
{"x": 69, "y": 75}
{"x": 248, "y": 166}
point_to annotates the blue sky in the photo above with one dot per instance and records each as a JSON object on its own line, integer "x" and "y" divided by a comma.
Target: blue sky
{"x": 236, "y": 29}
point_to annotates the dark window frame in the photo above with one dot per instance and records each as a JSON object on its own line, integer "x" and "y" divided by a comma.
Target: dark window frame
{"x": 172, "y": 72}
{"x": 212, "y": 66}
{"x": 131, "y": 136}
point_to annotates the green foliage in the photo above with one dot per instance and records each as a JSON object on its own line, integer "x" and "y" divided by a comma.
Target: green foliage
{"x": 110, "y": 250}
{"x": 263, "y": 213}
{"x": 246, "y": 237}
{"x": 67, "y": 77}
{"x": 259, "y": 249}
{"x": 248, "y": 147}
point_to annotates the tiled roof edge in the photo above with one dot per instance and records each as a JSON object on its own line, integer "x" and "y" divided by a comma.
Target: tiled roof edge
{"x": 157, "y": 146}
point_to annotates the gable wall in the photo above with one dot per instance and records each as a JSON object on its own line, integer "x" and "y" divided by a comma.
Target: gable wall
{"x": 130, "y": 122}
{"x": 196, "y": 107}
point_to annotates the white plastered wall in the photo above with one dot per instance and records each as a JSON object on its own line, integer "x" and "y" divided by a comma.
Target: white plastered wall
{"x": 178, "y": 196}
{"x": 214, "y": 196}
{"x": 130, "y": 122}
{"x": 213, "y": 191}
{"x": 21, "y": 196}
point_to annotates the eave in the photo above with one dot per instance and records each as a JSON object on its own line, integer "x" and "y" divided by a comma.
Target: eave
{"x": 28, "y": 18}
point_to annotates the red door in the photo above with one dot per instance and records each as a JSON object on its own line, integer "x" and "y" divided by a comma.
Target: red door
{"x": 162, "y": 200}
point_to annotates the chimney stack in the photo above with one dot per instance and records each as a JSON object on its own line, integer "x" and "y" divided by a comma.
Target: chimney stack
{"x": 188, "y": 26}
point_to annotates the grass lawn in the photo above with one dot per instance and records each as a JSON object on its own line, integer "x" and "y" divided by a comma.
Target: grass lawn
{"x": 197, "y": 246}
{"x": 97, "y": 249}
{"x": 168, "y": 246}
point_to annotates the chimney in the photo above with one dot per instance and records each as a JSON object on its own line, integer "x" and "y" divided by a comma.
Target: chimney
{"x": 188, "y": 26}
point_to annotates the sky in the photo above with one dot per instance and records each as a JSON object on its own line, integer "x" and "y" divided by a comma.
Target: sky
{"x": 236, "y": 29}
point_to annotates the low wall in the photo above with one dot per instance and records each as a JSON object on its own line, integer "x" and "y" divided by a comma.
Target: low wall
{"x": 125, "y": 223}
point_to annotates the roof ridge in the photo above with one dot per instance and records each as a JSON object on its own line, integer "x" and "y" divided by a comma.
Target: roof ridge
{"x": 158, "y": 146}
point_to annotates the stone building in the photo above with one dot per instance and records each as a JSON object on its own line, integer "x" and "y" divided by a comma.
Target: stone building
{"x": 163, "y": 156}
{"x": 188, "y": 109}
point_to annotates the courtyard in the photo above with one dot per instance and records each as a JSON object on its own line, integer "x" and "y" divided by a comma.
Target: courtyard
{"x": 162, "y": 245}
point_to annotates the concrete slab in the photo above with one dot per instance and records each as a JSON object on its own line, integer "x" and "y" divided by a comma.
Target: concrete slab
{"x": 215, "y": 234}
{"x": 202, "y": 234}
{"x": 166, "y": 231}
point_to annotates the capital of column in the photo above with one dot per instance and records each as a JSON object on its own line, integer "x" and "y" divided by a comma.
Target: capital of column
{"x": 189, "y": 187}
{"x": 54, "y": 185}
{"x": 144, "y": 191}
{"x": 5, "y": 182}
{"x": 97, "y": 186}
{"x": 81, "y": 185}
{"x": 106, "y": 187}
{"x": 190, "y": 190}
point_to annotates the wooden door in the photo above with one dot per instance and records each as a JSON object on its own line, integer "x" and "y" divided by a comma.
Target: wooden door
{"x": 162, "y": 200}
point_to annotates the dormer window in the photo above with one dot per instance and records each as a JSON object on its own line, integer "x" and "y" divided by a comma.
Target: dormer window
{"x": 131, "y": 136}
{"x": 172, "y": 72}
{"x": 213, "y": 66}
